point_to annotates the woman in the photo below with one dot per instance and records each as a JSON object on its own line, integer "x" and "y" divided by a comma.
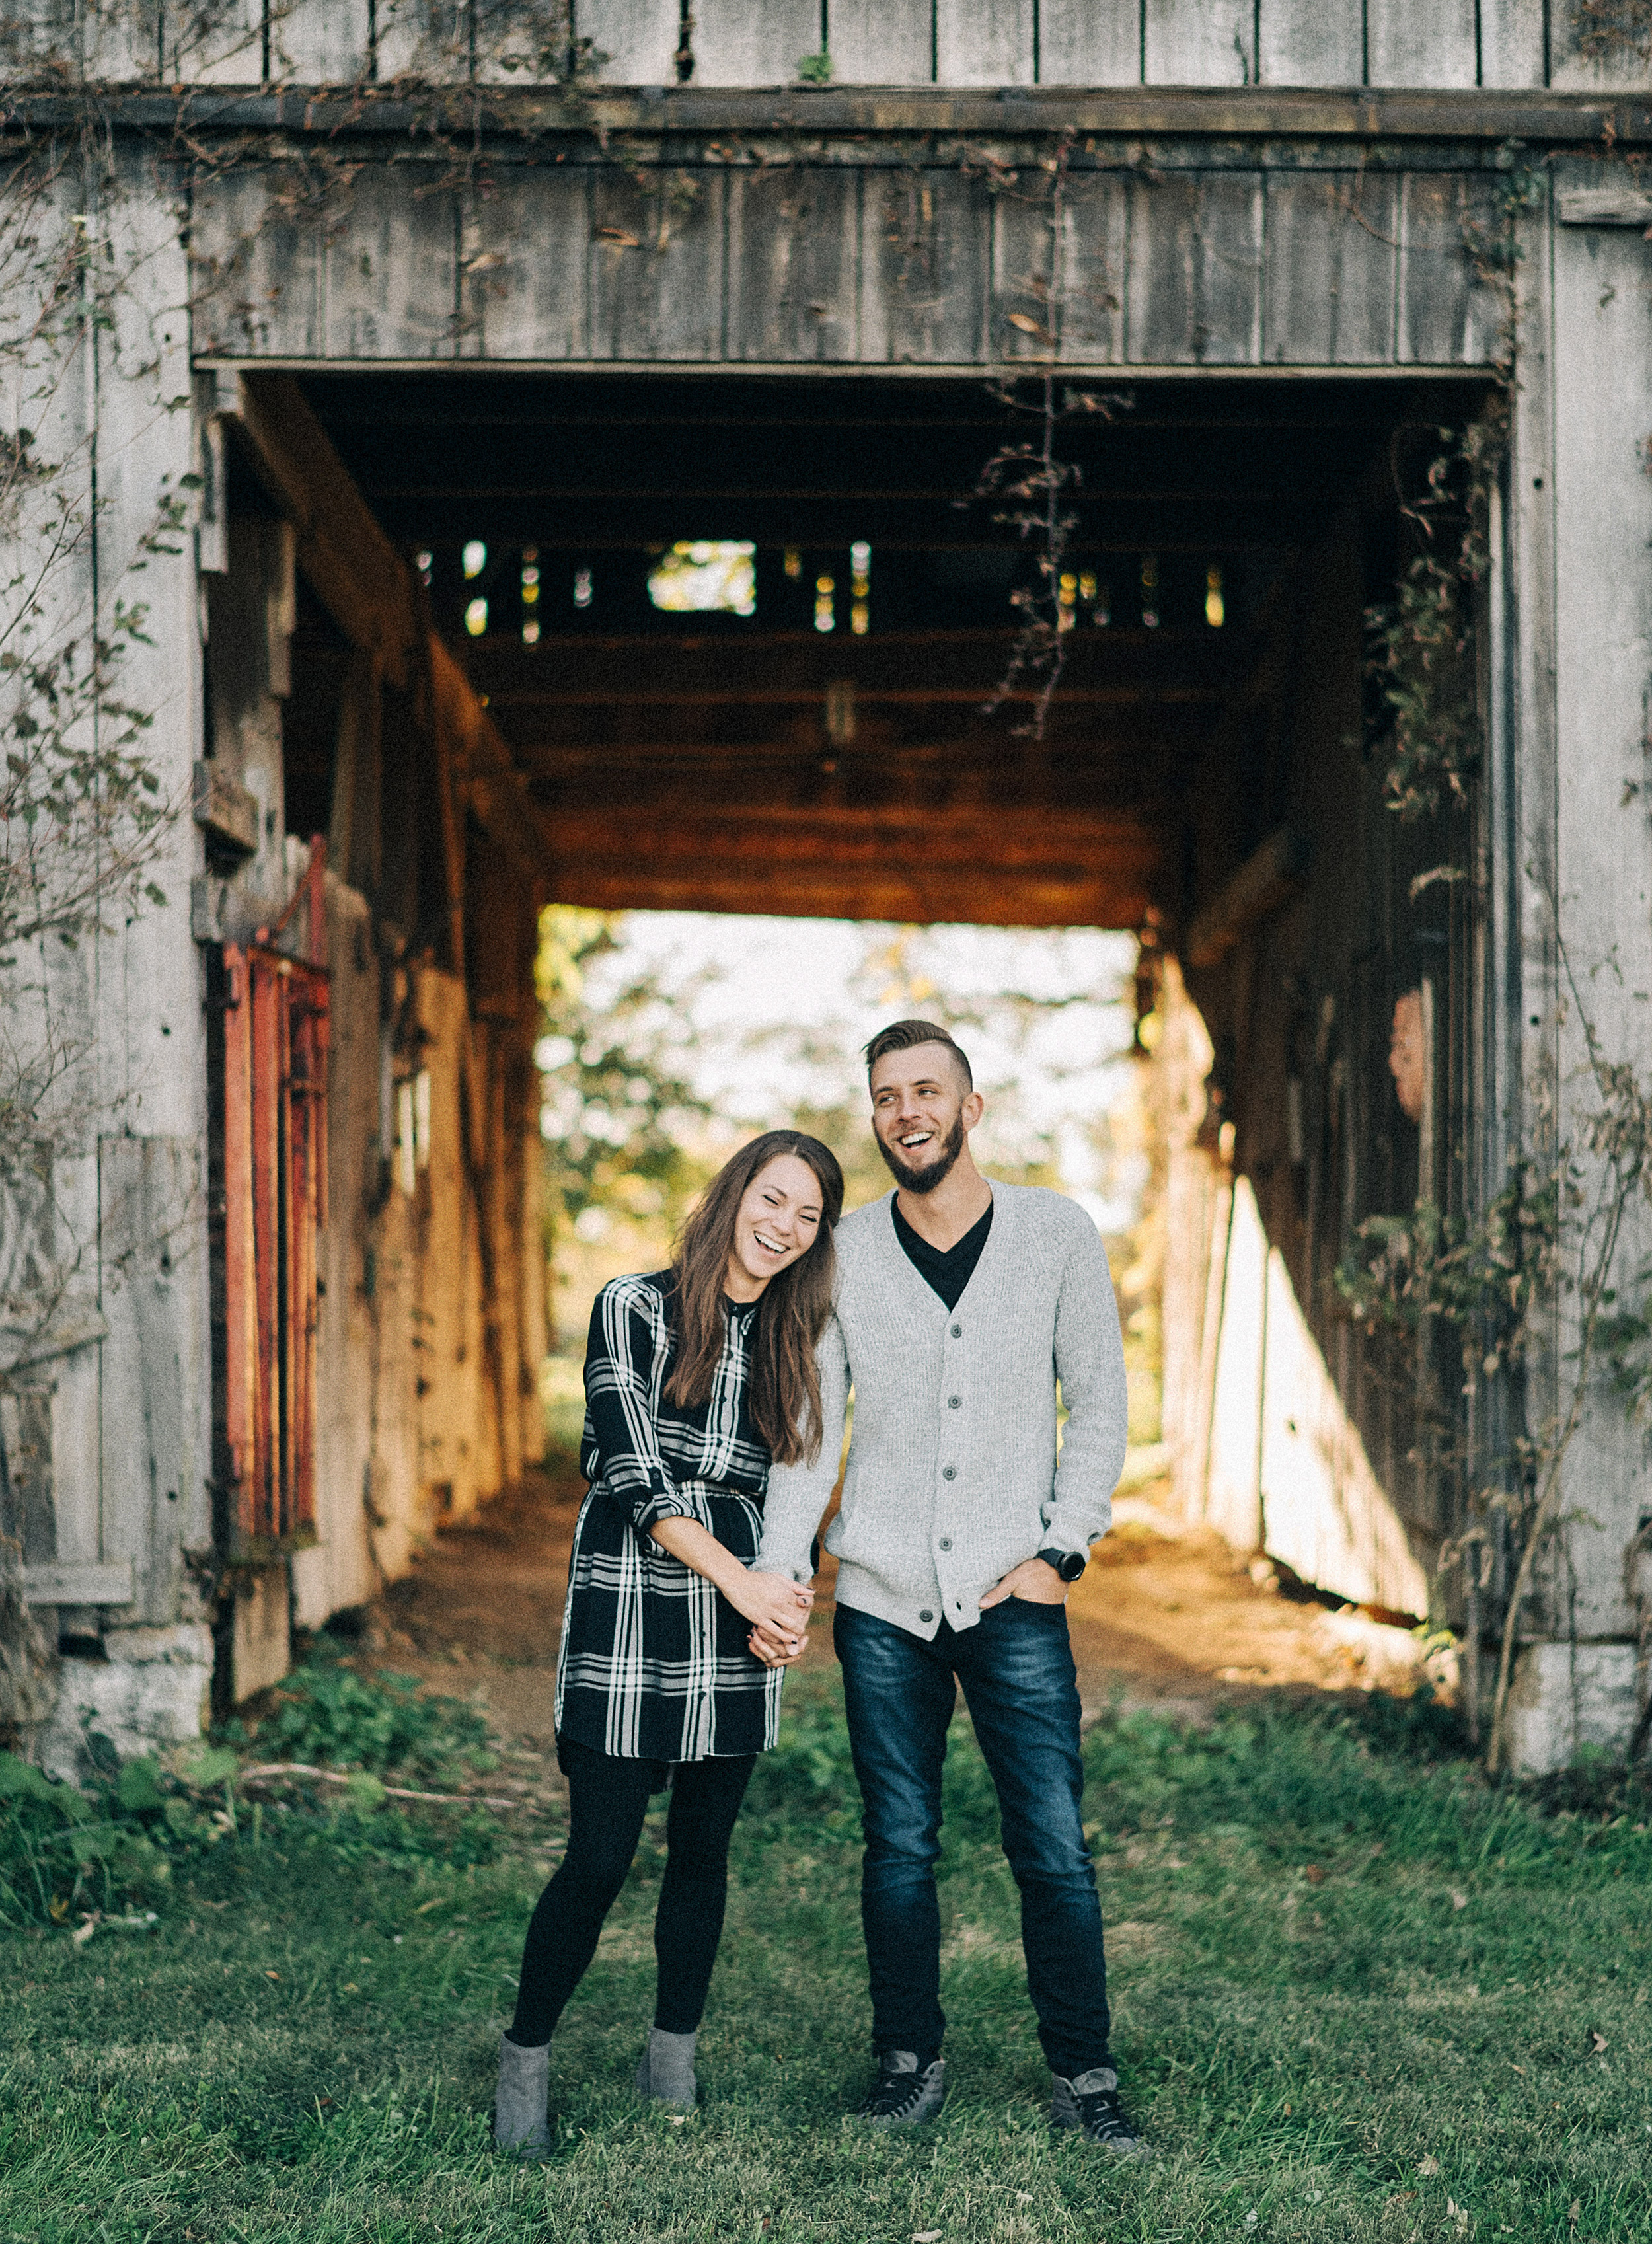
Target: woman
{"x": 673, "y": 1646}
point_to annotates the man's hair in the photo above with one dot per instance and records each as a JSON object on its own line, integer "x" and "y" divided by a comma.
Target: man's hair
{"x": 900, "y": 1035}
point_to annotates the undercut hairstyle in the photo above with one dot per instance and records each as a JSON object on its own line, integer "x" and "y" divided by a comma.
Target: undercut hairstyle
{"x": 792, "y": 1309}
{"x": 900, "y": 1035}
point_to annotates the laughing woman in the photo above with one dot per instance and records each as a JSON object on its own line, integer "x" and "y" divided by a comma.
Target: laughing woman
{"x": 697, "y": 1379}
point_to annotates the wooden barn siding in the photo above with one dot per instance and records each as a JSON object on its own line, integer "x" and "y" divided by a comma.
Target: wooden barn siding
{"x": 798, "y": 264}
{"x": 894, "y": 43}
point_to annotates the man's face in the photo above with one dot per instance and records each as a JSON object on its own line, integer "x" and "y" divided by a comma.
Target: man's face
{"x": 920, "y": 1113}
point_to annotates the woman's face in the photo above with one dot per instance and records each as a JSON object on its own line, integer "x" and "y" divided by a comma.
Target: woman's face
{"x": 777, "y": 1222}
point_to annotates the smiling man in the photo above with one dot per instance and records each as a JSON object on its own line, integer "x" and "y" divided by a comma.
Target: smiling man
{"x": 961, "y": 1303}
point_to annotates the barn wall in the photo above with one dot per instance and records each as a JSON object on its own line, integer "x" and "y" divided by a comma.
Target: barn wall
{"x": 1214, "y": 44}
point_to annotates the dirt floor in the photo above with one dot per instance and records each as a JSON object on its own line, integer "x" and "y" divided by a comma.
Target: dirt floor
{"x": 1165, "y": 1615}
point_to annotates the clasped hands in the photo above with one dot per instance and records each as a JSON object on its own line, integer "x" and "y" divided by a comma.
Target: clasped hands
{"x": 778, "y": 1608}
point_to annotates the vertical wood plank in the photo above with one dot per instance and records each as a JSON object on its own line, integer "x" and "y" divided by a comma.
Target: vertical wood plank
{"x": 1448, "y": 316}
{"x": 984, "y": 41}
{"x": 637, "y": 38}
{"x": 519, "y": 43}
{"x": 656, "y": 265}
{"x": 392, "y": 274}
{"x": 737, "y": 44}
{"x": 1512, "y": 43}
{"x": 319, "y": 41}
{"x": 1199, "y": 43}
{"x": 923, "y": 268}
{"x": 1601, "y": 409}
{"x": 524, "y": 271}
{"x": 1095, "y": 252}
{"x": 1090, "y": 42}
{"x": 1083, "y": 314}
{"x": 1409, "y": 46}
{"x": 427, "y": 40}
{"x": 1330, "y": 275}
{"x": 1195, "y": 290}
{"x": 223, "y": 45}
{"x": 793, "y": 237}
{"x": 880, "y": 42}
{"x": 1311, "y": 42}
{"x": 1577, "y": 68}
{"x": 121, "y": 46}
{"x": 1023, "y": 319}
{"x": 256, "y": 267}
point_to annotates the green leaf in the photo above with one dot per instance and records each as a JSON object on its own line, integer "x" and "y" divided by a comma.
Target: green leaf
{"x": 19, "y": 1780}
{"x": 212, "y": 1765}
{"x": 137, "y": 1787}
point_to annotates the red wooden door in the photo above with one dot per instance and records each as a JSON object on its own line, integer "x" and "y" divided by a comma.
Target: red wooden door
{"x": 275, "y": 1202}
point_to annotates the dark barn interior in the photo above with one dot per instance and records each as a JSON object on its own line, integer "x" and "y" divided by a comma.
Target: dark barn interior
{"x": 757, "y": 762}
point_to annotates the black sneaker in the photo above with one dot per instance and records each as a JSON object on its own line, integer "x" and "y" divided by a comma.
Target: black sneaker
{"x": 902, "y": 2096}
{"x": 1090, "y": 2103}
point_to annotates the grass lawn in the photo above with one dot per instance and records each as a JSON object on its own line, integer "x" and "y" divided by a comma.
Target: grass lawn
{"x": 1359, "y": 1994}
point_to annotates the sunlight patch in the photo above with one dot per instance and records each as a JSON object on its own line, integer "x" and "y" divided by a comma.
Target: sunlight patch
{"x": 703, "y": 575}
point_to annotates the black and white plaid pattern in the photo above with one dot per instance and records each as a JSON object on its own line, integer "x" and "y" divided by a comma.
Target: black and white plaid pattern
{"x": 653, "y": 1664}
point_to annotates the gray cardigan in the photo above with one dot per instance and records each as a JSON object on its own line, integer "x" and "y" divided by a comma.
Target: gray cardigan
{"x": 953, "y": 1475}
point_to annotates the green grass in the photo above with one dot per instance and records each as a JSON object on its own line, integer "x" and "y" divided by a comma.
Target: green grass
{"x": 1358, "y": 1996}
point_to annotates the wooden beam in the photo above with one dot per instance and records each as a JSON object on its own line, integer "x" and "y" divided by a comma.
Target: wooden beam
{"x": 837, "y": 891}
{"x": 1359, "y": 116}
{"x": 351, "y": 564}
{"x": 366, "y": 587}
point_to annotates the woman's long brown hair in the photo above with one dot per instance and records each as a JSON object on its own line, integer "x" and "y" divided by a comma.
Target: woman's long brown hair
{"x": 792, "y": 1309}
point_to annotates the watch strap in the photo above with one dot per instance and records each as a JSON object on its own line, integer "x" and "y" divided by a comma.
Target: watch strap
{"x": 1068, "y": 1563}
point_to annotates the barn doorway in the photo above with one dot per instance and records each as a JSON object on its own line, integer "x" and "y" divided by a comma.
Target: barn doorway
{"x": 751, "y": 643}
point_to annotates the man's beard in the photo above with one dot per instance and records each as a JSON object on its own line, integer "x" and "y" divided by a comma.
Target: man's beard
{"x": 924, "y": 1181}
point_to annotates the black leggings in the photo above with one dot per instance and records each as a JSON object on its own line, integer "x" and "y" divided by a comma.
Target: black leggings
{"x": 607, "y": 1800}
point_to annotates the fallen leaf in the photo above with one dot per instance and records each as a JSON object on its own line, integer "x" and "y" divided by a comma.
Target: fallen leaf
{"x": 425, "y": 1907}
{"x": 271, "y": 1975}
{"x": 1521, "y": 2069}
{"x": 1576, "y": 2213}
{"x": 1429, "y": 2166}
{"x": 1597, "y": 2039}
{"x": 350, "y": 1988}
{"x": 484, "y": 263}
{"x": 83, "y": 1933}
{"x": 1028, "y": 327}
{"x": 925, "y": 2235}
{"x": 681, "y": 2120}
{"x": 620, "y": 237}
{"x": 1459, "y": 1900}
{"x": 1314, "y": 1875}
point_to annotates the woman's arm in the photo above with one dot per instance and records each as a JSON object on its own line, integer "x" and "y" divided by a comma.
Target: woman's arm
{"x": 628, "y": 1337}
{"x": 776, "y": 1607}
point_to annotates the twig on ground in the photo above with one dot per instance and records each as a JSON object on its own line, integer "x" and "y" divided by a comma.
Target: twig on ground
{"x": 266, "y": 1771}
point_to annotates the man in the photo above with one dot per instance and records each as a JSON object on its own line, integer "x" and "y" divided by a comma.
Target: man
{"x": 960, "y": 1304}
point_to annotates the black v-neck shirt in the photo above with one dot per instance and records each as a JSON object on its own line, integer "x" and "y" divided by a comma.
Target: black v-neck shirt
{"x": 949, "y": 1269}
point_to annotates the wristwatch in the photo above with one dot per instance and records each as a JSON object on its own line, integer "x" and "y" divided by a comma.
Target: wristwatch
{"x": 1068, "y": 1563}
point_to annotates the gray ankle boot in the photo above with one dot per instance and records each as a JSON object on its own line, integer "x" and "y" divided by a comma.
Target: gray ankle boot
{"x": 667, "y": 2072}
{"x": 519, "y": 2123}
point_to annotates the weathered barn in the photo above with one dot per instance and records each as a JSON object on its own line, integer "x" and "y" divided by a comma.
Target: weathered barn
{"x": 430, "y": 327}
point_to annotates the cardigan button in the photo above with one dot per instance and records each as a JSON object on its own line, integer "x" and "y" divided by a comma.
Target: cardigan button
{"x": 957, "y": 1332}
{"x": 946, "y": 1542}
{"x": 954, "y": 1401}
{"x": 926, "y": 1614}
{"x": 949, "y": 1472}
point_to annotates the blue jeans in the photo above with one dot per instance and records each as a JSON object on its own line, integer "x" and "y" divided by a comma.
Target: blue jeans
{"x": 1016, "y": 1667}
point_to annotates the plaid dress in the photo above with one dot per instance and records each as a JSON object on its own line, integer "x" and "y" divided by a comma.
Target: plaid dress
{"x": 653, "y": 1665}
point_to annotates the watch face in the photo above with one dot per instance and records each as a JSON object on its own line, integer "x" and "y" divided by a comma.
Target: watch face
{"x": 1072, "y": 1566}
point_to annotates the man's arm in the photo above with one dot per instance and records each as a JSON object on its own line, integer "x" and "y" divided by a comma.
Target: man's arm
{"x": 798, "y": 1494}
{"x": 1089, "y": 1362}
